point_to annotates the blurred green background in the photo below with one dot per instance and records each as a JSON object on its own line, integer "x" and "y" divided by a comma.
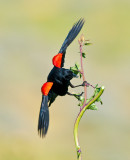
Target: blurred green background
{"x": 31, "y": 33}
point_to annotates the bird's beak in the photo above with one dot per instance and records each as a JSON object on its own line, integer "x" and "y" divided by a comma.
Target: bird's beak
{"x": 75, "y": 75}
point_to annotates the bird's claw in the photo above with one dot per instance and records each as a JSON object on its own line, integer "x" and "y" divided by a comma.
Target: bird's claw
{"x": 85, "y": 83}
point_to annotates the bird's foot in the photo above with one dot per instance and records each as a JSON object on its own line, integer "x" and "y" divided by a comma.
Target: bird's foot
{"x": 85, "y": 83}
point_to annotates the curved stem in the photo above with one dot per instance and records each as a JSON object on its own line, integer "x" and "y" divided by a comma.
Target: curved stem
{"x": 78, "y": 120}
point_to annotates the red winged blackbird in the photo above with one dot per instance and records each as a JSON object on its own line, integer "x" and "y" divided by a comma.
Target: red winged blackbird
{"x": 58, "y": 80}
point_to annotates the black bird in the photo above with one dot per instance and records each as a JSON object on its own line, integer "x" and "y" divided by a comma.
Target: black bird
{"x": 58, "y": 80}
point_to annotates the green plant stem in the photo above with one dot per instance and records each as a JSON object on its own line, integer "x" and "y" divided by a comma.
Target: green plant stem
{"x": 78, "y": 120}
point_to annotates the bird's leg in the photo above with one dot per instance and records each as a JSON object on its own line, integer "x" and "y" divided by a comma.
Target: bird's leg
{"x": 72, "y": 86}
{"x": 70, "y": 94}
{"x": 85, "y": 83}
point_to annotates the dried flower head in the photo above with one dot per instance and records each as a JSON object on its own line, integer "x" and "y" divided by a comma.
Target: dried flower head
{"x": 81, "y": 39}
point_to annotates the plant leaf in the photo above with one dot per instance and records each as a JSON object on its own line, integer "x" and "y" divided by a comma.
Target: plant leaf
{"x": 84, "y": 55}
{"x": 77, "y": 66}
{"x": 80, "y": 75}
{"x": 74, "y": 70}
{"x": 93, "y": 107}
{"x": 87, "y": 43}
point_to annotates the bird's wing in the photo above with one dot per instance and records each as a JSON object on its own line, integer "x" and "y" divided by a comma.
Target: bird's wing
{"x": 70, "y": 37}
{"x": 43, "y": 121}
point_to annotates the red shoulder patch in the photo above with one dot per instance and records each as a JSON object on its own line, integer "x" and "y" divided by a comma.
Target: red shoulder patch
{"x": 57, "y": 59}
{"x": 46, "y": 88}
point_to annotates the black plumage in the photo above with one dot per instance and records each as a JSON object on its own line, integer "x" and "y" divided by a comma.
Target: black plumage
{"x": 61, "y": 80}
{"x": 60, "y": 76}
{"x": 43, "y": 121}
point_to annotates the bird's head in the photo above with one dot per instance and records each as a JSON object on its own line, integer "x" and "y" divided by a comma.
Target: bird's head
{"x": 46, "y": 88}
{"x": 57, "y": 59}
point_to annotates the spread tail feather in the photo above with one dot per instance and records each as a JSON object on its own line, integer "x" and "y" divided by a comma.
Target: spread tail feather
{"x": 43, "y": 121}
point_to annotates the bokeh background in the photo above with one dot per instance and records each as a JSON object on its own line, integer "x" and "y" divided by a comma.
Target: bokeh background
{"x": 31, "y": 33}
